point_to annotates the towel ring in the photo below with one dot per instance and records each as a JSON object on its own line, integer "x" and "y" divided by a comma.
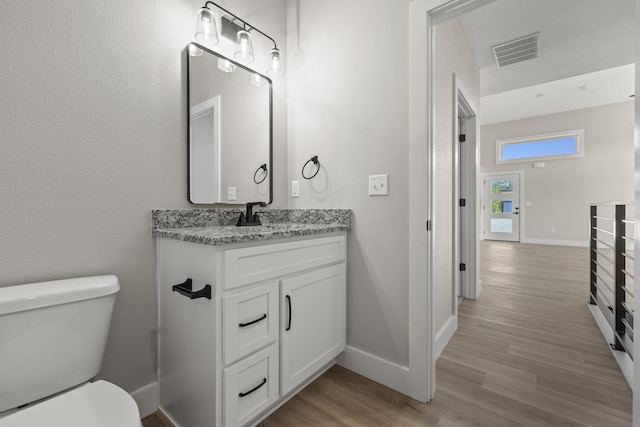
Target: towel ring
{"x": 316, "y": 162}
{"x": 255, "y": 174}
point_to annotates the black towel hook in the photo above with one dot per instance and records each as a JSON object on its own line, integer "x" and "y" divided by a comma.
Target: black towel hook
{"x": 316, "y": 162}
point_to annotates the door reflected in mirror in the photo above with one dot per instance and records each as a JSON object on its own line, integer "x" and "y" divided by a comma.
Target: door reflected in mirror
{"x": 230, "y": 130}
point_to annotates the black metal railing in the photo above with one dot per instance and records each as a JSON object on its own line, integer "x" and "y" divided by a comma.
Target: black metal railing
{"x": 611, "y": 268}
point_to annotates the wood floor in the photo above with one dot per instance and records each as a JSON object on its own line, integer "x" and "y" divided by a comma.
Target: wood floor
{"x": 526, "y": 353}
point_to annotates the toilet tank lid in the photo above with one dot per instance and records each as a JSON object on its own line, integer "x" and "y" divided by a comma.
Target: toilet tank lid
{"x": 44, "y": 294}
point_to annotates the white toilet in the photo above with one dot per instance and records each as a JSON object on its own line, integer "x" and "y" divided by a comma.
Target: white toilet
{"x": 52, "y": 338}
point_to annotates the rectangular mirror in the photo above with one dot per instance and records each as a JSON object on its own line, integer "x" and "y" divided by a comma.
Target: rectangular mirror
{"x": 230, "y": 130}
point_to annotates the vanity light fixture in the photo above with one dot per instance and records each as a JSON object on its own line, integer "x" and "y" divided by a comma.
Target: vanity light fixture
{"x": 244, "y": 49}
{"x": 207, "y": 32}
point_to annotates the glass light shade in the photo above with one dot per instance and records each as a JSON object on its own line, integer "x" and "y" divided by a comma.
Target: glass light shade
{"x": 257, "y": 80}
{"x": 206, "y": 29}
{"x": 194, "y": 50}
{"x": 276, "y": 65}
{"x": 226, "y": 65}
{"x": 244, "y": 48}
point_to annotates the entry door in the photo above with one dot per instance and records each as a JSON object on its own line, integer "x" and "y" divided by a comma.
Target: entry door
{"x": 502, "y": 207}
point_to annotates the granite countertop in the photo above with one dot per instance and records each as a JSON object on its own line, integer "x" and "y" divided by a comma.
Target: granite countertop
{"x": 217, "y": 226}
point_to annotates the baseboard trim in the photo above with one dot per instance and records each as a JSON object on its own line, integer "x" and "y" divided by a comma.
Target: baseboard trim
{"x": 444, "y": 335}
{"x": 577, "y": 243}
{"x": 376, "y": 368}
{"x": 624, "y": 361}
{"x": 147, "y": 399}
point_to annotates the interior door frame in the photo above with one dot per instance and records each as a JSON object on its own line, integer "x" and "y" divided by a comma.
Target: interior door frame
{"x": 419, "y": 378}
{"x": 465, "y": 181}
{"x": 521, "y": 201}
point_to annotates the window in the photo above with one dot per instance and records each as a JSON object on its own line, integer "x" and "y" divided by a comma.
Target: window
{"x": 541, "y": 147}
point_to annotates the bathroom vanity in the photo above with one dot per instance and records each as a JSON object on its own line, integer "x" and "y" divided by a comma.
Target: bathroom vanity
{"x": 246, "y": 315}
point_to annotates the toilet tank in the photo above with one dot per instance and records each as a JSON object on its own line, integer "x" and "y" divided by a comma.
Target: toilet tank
{"x": 52, "y": 336}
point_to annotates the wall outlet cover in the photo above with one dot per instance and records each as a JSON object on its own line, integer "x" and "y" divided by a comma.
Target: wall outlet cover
{"x": 379, "y": 185}
{"x": 295, "y": 188}
{"x": 231, "y": 193}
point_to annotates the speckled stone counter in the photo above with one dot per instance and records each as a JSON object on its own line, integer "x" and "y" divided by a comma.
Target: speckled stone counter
{"x": 217, "y": 226}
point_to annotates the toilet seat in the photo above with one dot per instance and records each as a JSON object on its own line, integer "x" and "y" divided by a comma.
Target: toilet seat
{"x": 97, "y": 404}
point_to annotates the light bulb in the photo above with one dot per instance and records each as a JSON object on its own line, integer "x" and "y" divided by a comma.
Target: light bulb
{"x": 276, "y": 66}
{"x": 206, "y": 30}
{"x": 244, "y": 48}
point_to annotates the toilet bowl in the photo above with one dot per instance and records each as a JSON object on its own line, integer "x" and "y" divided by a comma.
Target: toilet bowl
{"x": 53, "y": 338}
{"x": 97, "y": 404}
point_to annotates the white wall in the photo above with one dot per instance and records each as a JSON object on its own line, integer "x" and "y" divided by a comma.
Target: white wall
{"x": 348, "y": 104}
{"x": 561, "y": 192}
{"x": 452, "y": 55}
{"x": 93, "y": 135}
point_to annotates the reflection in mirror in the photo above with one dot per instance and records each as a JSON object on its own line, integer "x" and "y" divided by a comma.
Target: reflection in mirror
{"x": 230, "y": 130}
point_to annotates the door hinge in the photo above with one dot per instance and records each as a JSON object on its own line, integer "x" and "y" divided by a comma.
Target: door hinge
{"x": 428, "y": 225}
{"x": 463, "y": 266}
{"x": 462, "y": 137}
{"x": 463, "y": 203}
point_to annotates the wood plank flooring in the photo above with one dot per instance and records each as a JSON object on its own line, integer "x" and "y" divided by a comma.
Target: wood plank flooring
{"x": 526, "y": 353}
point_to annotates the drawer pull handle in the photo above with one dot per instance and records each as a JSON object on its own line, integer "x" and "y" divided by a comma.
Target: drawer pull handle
{"x": 288, "y": 328}
{"x": 244, "y": 325}
{"x": 186, "y": 290}
{"x": 264, "y": 381}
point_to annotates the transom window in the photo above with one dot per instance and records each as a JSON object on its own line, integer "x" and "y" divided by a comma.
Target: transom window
{"x": 551, "y": 146}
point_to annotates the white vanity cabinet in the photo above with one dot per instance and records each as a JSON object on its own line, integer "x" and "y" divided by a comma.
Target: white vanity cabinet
{"x": 276, "y": 317}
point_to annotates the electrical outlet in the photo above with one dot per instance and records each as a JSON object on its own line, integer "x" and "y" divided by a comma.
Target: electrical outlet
{"x": 379, "y": 185}
{"x": 553, "y": 229}
{"x": 231, "y": 194}
{"x": 295, "y": 188}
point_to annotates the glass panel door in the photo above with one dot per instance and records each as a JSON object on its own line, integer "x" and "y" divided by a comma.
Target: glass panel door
{"x": 502, "y": 207}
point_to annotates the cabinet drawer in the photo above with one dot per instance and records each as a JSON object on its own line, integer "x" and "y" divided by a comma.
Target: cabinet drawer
{"x": 250, "y": 321}
{"x": 253, "y": 264}
{"x": 250, "y": 386}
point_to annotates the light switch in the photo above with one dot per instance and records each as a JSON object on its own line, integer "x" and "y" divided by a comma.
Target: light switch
{"x": 379, "y": 185}
{"x": 231, "y": 193}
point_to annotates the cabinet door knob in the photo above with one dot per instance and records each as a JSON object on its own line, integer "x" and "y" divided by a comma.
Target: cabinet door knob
{"x": 186, "y": 289}
{"x": 289, "y": 305}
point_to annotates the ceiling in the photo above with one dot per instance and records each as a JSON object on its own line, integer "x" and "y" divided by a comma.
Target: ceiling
{"x": 586, "y": 55}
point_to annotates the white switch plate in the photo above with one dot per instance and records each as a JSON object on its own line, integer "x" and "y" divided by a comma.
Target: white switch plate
{"x": 379, "y": 185}
{"x": 295, "y": 188}
{"x": 231, "y": 193}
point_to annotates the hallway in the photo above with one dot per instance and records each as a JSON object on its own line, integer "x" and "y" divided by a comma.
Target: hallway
{"x": 529, "y": 350}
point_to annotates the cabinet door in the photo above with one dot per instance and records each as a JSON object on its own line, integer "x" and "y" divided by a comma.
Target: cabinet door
{"x": 313, "y": 312}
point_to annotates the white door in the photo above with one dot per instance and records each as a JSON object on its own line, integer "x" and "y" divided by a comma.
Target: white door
{"x": 313, "y": 312}
{"x": 502, "y": 207}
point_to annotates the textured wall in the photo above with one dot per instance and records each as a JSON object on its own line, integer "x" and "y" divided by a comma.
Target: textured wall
{"x": 348, "y": 103}
{"x": 560, "y": 193}
{"x": 92, "y": 137}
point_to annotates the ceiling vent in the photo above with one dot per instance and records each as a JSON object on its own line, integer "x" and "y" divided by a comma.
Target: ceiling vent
{"x": 517, "y": 50}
